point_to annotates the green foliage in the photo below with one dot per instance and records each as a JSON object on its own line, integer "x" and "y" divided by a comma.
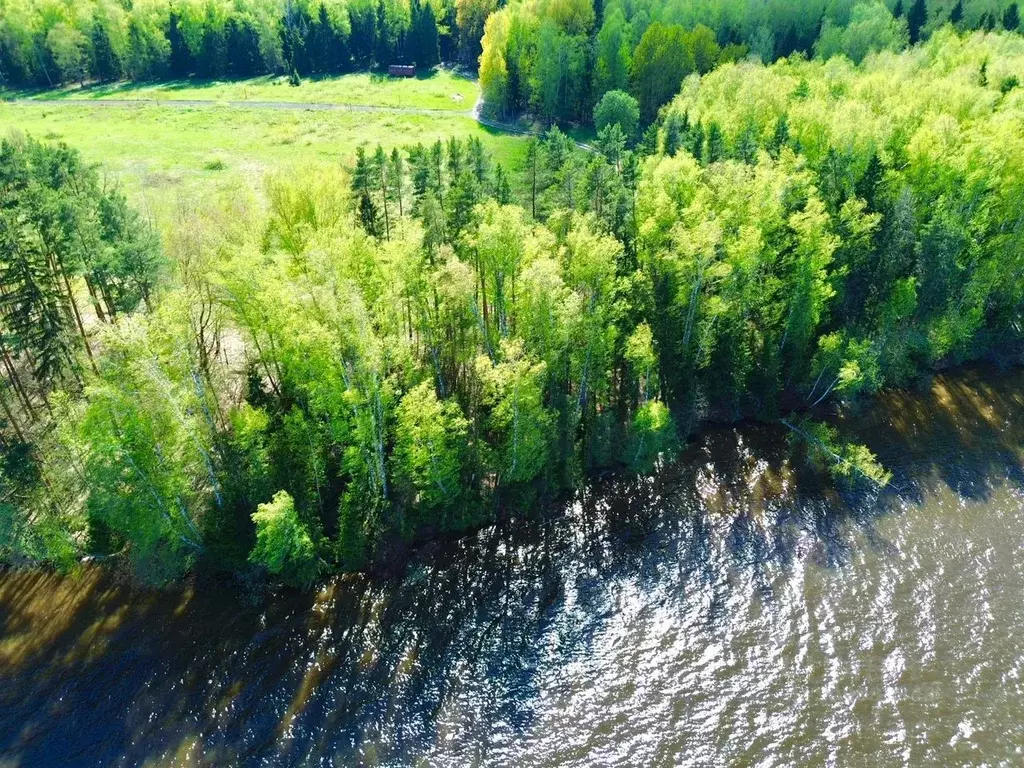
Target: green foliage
{"x": 871, "y": 28}
{"x": 517, "y": 424}
{"x": 660, "y": 62}
{"x": 848, "y": 463}
{"x": 810, "y": 231}
{"x": 430, "y": 458}
{"x": 652, "y": 437}
{"x": 283, "y": 545}
{"x": 618, "y": 108}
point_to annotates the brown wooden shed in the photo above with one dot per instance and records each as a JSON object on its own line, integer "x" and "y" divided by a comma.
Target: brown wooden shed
{"x": 402, "y": 70}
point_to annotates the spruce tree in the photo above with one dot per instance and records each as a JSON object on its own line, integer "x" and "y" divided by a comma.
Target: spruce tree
{"x": 502, "y": 187}
{"x": 917, "y": 17}
{"x": 957, "y": 14}
{"x": 382, "y": 46}
{"x": 780, "y": 136}
{"x": 868, "y": 184}
{"x": 1011, "y": 18}
{"x": 716, "y": 143}
{"x": 105, "y": 66}
{"x": 673, "y": 134}
{"x": 181, "y": 56}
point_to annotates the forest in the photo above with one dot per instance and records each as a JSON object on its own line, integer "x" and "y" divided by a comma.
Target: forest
{"x": 425, "y": 340}
{"x": 556, "y": 60}
{"x": 553, "y": 60}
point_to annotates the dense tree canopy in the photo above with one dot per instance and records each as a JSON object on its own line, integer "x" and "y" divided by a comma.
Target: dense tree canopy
{"x": 50, "y": 43}
{"x": 558, "y": 60}
{"x": 386, "y": 353}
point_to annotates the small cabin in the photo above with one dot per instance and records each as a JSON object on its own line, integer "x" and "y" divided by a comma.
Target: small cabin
{"x": 402, "y": 70}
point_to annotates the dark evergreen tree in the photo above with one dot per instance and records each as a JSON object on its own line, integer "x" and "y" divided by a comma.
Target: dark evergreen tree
{"x": 105, "y": 64}
{"x": 673, "y": 134}
{"x": 917, "y": 17}
{"x": 780, "y": 136}
{"x": 716, "y": 143}
{"x": 789, "y": 42}
{"x": 382, "y": 49}
{"x": 502, "y": 187}
{"x": 363, "y": 23}
{"x": 181, "y": 56}
{"x": 1011, "y": 18}
{"x": 296, "y": 39}
{"x": 322, "y": 43}
{"x": 242, "y": 44}
{"x": 957, "y": 14}
{"x": 868, "y": 184}
{"x": 423, "y": 40}
{"x": 212, "y": 59}
{"x": 369, "y": 217}
{"x": 746, "y": 147}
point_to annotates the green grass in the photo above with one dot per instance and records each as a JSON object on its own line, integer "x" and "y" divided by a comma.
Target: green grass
{"x": 163, "y": 154}
{"x": 441, "y": 89}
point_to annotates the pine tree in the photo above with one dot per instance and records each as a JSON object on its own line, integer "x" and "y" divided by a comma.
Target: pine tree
{"x": 479, "y": 160}
{"x": 430, "y": 48}
{"x": 746, "y": 148}
{"x": 242, "y": 47}
{"x": 322, "y": 44}
{"x": 379, "y": 166}
{"x": 368, "y": 215}
{"x": 423, "y": 36}
{"x": 396, "y": 178}
{"x": 697, "y": 144}
{"x": 363, "y": 23}
{"x": 212, "y": 60}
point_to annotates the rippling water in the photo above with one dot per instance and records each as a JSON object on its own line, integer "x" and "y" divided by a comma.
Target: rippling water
{"x": 732, "y": 610}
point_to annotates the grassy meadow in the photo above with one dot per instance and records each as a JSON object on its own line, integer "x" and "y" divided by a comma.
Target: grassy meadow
{"x": 441, "y": 90}
{"x": 165, "y": 154}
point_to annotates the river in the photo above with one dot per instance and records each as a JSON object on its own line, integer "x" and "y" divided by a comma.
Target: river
{"x": 732, "y": 610}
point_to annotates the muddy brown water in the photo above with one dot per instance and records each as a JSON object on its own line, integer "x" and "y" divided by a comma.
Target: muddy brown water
{"x": 732, "y": 610}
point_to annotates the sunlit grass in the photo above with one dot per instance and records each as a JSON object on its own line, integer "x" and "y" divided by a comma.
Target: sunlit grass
{"x": 166, "y": 154}
{"x": 441, "y": 89}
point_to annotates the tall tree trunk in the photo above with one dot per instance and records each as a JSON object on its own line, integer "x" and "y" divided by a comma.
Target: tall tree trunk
{"x": 11, "y": 420}
{"x": 16, "y": 380}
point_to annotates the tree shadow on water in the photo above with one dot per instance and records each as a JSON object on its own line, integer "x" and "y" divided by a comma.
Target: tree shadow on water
{"x": 455, "y": 653}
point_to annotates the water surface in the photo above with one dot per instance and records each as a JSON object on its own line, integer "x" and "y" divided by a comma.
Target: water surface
{"x": 734, "y": 609}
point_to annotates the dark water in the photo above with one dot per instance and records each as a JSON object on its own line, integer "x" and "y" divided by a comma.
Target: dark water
{"x": 734, "y": 610}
